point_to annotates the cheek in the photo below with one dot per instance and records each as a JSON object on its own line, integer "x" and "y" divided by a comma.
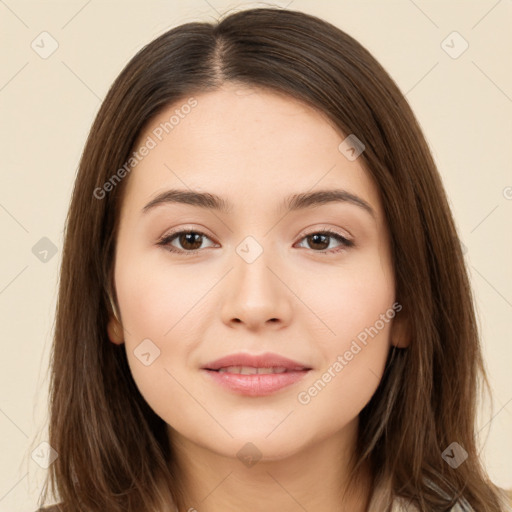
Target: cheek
{"x": 165, "y": 304}
{"x": 349, "y": 298}
{"x": 161, "y": 307}
{"x": 155, "y": 297}
{"x": 334, "y": 397}
{"x": 356, "y": 310}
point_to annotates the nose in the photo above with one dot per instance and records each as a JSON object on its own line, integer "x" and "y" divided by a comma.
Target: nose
{"x": 256, "y": 295}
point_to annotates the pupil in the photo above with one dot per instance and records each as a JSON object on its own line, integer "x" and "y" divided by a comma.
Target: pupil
{"x": 194, "y": 240}
{"x": 316, "y": 240}
{"x": 190, "y": 238}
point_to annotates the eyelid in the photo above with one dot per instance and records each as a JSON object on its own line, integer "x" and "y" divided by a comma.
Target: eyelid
{"x": 166, "y": 239}
{"x": 326, "y": 228}
{"x": 346, "y": 242}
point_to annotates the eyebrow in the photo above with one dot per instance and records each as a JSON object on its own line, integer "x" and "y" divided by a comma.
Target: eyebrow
{"x": 293, "y": 203}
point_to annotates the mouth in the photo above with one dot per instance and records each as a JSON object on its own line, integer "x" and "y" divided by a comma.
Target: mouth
{"x": 254, "y": 374}
{"x": 251, "y": 370}
{"x": 255, "y": 382}
{"x": 250, "y": 364}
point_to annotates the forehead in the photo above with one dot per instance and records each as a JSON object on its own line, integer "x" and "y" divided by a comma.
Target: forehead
{"x": 244, "y": 143}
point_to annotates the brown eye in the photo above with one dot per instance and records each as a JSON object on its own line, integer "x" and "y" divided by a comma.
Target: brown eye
{"x": 320, "y": 241}
{"x": 189, "y": 241}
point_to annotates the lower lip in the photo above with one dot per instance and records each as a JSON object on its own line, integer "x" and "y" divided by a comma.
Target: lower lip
{"x": 258, "y": 384}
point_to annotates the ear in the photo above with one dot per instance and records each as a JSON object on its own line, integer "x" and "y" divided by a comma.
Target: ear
{"x": 115, "y": 330}
{"x": 400, "y": 335}
{"x": 114, "y": 326}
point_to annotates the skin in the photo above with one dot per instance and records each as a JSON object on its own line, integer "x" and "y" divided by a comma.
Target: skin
{"x": 254, "y": 148}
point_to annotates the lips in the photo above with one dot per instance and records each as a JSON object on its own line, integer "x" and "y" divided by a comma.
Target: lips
{"x": 266, "y": 360}
{"x": 255, "y": 385}
{"x": 255, "y": 375}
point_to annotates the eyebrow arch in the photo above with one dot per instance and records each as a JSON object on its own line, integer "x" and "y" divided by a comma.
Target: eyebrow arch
{"x": 293, "y": 203}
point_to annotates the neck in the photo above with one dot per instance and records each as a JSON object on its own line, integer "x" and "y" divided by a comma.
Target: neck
{"x": 313, "y": 478}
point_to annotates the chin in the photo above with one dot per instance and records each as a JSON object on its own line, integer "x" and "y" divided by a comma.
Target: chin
{"x": 250, "y": 444}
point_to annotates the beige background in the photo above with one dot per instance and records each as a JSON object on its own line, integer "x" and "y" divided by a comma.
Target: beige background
{"x": 47, "y": 105}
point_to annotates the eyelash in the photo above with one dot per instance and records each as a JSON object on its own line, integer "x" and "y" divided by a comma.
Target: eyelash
{"x": 167, "y": 239}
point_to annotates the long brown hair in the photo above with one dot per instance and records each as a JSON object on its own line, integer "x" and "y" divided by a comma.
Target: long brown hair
{"x": 114, "y": 453}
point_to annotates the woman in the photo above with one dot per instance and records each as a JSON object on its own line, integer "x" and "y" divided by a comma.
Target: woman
{"x": 262, "y": 371}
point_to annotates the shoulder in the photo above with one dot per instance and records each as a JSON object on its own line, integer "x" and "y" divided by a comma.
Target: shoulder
{"x": 52, "y": 508}
{"x": 402, "y": 505}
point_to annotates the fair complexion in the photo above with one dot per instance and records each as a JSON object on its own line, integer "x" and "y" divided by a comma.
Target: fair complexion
{"x": 304, "y": 297}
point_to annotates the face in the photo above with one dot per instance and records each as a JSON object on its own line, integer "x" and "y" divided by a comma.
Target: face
{"x": 312, "y": 282}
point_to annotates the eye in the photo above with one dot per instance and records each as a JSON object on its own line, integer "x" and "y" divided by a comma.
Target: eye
{"x": 189, "y": 240}
{"x": 321, "y": 240}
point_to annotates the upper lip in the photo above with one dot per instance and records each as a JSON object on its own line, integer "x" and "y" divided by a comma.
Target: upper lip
{"x": 266, "y": 360}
